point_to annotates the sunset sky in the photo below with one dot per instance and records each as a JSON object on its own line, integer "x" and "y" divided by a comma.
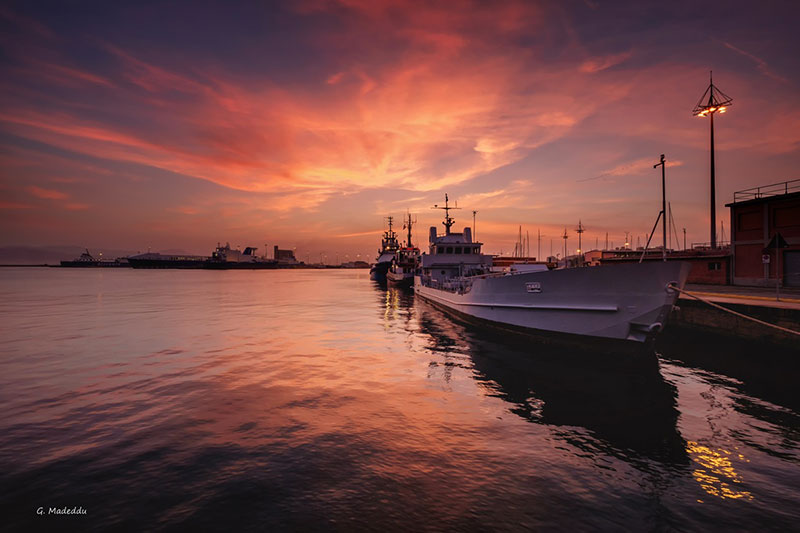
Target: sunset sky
{"x": 176, "y": 125}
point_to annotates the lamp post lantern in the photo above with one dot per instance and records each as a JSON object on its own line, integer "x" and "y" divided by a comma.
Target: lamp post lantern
{"x": 713, "y": 101}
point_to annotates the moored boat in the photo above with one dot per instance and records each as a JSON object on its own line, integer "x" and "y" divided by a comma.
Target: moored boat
{"x": 404, "y": 265}
{"x": 617, "y": 306}
{"x": 386, "y": 253}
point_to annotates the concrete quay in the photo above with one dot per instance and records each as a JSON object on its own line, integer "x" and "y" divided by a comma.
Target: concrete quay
{"x": 756, "y": 302}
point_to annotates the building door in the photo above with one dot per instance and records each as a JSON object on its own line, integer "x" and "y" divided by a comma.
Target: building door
{"x": 791, "y": 263}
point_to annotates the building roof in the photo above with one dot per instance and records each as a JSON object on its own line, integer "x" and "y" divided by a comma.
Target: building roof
{"x": 777, "y": 191}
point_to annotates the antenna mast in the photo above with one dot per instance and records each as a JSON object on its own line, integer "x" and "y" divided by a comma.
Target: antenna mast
{"x": 448, "y": 222}
{"x": 580, "y": 231}
{"x": 408, "y": 225}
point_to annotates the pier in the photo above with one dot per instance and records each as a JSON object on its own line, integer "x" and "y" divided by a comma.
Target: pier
{"x": 757, "y": 302}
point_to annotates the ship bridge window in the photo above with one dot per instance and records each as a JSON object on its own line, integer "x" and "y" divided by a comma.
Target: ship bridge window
{"x": 458, "y": 249}
{"x": 475, "y": 250}
{"x": 449, "y": 249}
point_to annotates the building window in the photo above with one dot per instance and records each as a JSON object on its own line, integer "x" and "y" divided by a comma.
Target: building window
{"x": 715, "y": 265}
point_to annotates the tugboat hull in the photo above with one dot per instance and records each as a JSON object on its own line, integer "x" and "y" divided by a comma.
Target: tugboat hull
{"x": 378, "y": 271}
{"x": 405, "y": 281}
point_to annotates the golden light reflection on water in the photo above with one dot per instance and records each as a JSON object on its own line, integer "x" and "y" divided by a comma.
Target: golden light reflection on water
{"x": 392, "y": 305}
{"x": 717, "y": 472}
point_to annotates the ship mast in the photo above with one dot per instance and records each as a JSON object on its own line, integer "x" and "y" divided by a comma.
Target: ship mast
{"x": 448, "y": 222}
{"x": 390, "y": 236}
{"x": 408, "y": 226}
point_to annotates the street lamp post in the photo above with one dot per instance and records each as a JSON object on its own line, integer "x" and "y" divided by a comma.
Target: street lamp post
{"x": 663, "y": 164}
{"x": 712, "y": 101}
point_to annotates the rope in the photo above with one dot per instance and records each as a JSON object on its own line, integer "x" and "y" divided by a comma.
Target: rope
{"x": 731, "y": 311}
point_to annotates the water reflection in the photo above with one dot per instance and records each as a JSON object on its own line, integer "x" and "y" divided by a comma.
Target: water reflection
{"x": 760, "y": 370}
{"x": 715, "y": 472}
{"x": 628, "y": 408}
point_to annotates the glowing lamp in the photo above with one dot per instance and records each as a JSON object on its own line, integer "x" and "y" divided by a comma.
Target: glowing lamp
{"x": 712, "y": 101}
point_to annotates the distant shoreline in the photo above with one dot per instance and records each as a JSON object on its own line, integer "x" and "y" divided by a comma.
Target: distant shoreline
{"x": 310, "y": 267}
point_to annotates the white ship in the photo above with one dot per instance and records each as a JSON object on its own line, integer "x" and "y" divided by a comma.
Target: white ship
{"x": 615, "y": 306}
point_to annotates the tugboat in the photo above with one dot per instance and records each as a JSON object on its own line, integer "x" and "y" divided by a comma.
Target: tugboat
{"x": 405, "y": 262}
{"x": 616, "y": 307}
{"x": 389, "y": 247}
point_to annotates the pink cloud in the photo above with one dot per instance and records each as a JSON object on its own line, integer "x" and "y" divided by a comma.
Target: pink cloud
{"x": 49, "y": 194}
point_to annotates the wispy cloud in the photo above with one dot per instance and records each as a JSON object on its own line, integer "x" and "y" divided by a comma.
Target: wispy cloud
{"x": 761, "y": 65}
{"x": 49, "y": 194}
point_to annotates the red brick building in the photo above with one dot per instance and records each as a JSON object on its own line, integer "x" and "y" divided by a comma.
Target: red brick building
{"x": 708, "y": 266}
{"x": 757, "y": 214}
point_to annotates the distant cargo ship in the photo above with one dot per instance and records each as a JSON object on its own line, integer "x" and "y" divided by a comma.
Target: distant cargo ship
{"x": 156, "y": 260}
{"x": 86, "y": 260}
{"x": 223, "y": 258}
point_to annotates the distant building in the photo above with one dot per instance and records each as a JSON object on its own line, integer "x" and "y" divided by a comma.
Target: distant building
{"x": 757, "y": 214}
{"x": 284, "y": 256}
{"x": 592, "y": 257}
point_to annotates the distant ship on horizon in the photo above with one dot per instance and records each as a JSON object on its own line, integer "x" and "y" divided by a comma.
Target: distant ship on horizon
{"x": 86, "y": 260}
{"x": 222, "y": 258}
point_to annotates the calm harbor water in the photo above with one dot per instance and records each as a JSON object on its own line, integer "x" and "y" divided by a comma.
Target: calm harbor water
{"x": 318, "y": 400}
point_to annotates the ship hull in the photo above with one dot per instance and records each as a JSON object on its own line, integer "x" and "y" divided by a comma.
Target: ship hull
{"x": 400, "y": 280}
{"x": 619, "y": 306}
{"x": 93, "y": 264}
{"x": 231, "y": 265}
{"x": 167, "y": 263}
{"x": 378, "y": 271}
